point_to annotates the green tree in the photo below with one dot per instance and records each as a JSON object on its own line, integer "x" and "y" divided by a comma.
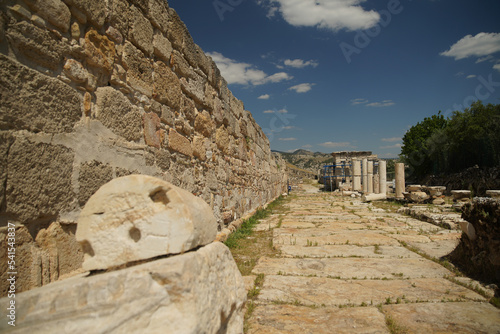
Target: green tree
{"x": 418, "y": 147}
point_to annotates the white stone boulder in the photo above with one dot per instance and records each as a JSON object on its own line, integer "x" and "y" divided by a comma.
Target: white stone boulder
{"x": 198, "y": 292}
{"x": 139, "y": 217}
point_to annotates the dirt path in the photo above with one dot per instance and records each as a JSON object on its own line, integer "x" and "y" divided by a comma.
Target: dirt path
{"x": 348, "y": 267}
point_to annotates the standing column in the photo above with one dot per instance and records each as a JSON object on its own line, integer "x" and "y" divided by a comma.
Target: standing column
{"x": 400, "y": 180}
{"x": 382, "y": 171}
{"x": 370, "y": 177}
{"x": 365, "y": 175}
{"x": 356, "y": 175}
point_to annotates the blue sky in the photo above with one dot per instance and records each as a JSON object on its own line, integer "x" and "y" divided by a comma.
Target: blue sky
{"x": 334, "y": 75}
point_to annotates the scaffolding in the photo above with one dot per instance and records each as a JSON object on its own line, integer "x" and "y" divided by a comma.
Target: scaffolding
{"x": 329, "y": 173}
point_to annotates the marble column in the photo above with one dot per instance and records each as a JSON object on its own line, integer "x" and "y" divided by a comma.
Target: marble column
{"x": 382, "y": 172}
{"x": 356, "y": 175}
{"x": 365, "y": 175}
{"x": 370, "y": 177}
{"x": 400, "y": 180}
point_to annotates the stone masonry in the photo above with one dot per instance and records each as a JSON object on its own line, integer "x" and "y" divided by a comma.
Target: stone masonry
{"x": 94, "y": 90}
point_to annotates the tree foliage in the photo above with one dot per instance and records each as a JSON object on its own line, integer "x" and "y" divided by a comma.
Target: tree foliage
{"x": 468, "y": 138}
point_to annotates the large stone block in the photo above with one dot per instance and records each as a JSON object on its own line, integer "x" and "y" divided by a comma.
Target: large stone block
{"x": 95, "y": 10}
{"x": 38, "y": 180}
{"x": 158, "y": 13}
{"x": 54, "y": 11}
{"x": 139, "y": 70}
{"x": 100, "y": 51}
{"x": 151, "y": 129}
{"x": 222, "y": 140}
{"x": 204, "y": 124}
{"x": 166, "y": 86}
{"x": 37, "y": 45}
{"x": 139, "y": 217}
{"x": 162, "y": 47}
{"x": 179, "y": 143}
{"x": 141, "y": 32}
{"x": 120, "y": 15}
{"x": 116, "y": 112}
{"x": 91, "y": 177}
{"x": 177, "y": 30}
{"x": 197, "y": 292}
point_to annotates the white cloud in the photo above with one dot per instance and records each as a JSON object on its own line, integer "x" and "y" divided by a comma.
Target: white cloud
{"x": 482, "y": 59}
{"x": 283, "y": 111}
{"x": 496, "y": 67}
{"x": 330, "y": 144}
{"x": 391, "y": 146}
{"x": 287, "y": 139}
{"x": 385, "y": 103}
{"x": 299, "y": 63}
{"x": 483, "y": 44}
{"x": 327, "y": 14}
{"x": 302, "y": 88}
{"x": 268, "y": 111}
{"x": 264, "y": 97}
{"x": 359, "y": 101}
{"x": 472, "y": 76}
{"x": 243, "y": 73}
{"x": 307, "y": 146}
{"x": 390, "y": 140}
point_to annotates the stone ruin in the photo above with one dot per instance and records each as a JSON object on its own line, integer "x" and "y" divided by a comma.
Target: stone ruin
{"x": 93, "y": 90}
{"x": 172, "y": 277}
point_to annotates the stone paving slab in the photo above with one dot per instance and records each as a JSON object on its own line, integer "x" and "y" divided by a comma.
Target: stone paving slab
{"x": 463, "y": 318}
{"x": 322, "y": 291}
{"x": 296, "y": 224}
{"x": 436, "y": 249}
{"x": 346, "y": 251}
{"x": 305, "y": 320}
{"x": 351, "y": 267}
{"x": 361, "y": 238}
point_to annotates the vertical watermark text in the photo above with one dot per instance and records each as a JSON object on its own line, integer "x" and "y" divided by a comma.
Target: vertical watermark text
{"x": 11, "y": 274}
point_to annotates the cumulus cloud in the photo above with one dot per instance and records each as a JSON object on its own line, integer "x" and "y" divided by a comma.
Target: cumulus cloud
{"x": 302, "y": 88}
{"x": 327, "y": 14}
{"x": 330, "y": 144}
{"x": 264, "y": 97}
{"x": 299, "y": 63}
{"x": 483, "y": 44}
{"x": 359, "y": 101}
{"x": 288, "y": 139}
{"x": 243, "y": 73}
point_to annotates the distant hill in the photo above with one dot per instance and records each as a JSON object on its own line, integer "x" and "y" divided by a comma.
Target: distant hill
{"x": 311, "y": 161}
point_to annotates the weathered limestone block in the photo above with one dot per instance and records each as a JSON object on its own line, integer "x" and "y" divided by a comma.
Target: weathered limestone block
{"x": 139, "y": 69}
{"x": 116, "y": 112}
{"x": 435, "y": 191}
{"x": 197, "y": 292}
{"x": 183, "y": 126}
{"x": 75, "y": 71}
{"x": 6, "y": 140}
{"x": 100, "y": 51}
{"x": 38, "y": 180}
{"x": 158, "y": 14}
{"x": 114, "y": 34}
{"x": 166, "y": 86}
{"x": 28, "y": 270}
{"x": 36, "y": 44}
{"x": 418, "y": 196}
{"x": 493, "y": 193}
{"x": 179, "y": 143}
{"x": 141, "y": 32}
{"x": 176, "y": 31}
{"x": 468, "y": 229}
{"x": 373, "y": 197}
{"x": 54, "y": 11}
{"x": 222, "y": 140}
{"x": 204, "y": 124}
{"x": 167, "y": 116}
{"x": 92, "y": 176}
{"x": 151, "y": 126}
{"x": 139, "y": 217}
{"x": 95, "y": 10}
{"x": 200, "y": 145}
{"x": 120, "y": 15}
{"x": 65, "y": 253}
{"x": 188, "y": 109}
{"x": 162, "y": 47}
{"x": 413, "y": 188}
{"x": 180, "y": 65}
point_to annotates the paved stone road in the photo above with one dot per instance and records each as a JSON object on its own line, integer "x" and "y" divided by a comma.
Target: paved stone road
{"x": 343, "y": 269}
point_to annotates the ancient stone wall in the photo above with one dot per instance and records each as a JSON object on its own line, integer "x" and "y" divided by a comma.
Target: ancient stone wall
{"x": 91, "y": 90}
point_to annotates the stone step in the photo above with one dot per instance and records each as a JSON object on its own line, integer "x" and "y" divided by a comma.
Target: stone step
{"x": 321, "y": 291}
{"x": 347, "y": 268}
